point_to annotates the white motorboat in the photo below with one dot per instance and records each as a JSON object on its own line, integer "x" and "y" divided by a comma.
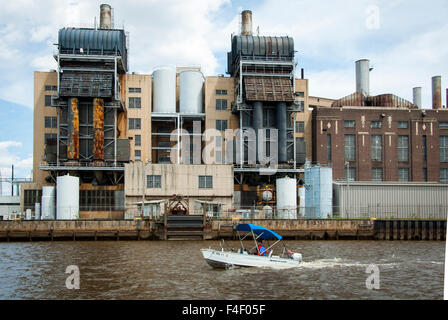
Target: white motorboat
{"x": 252, "y": 257}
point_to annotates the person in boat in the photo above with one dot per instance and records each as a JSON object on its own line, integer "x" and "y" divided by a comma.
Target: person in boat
{"x": 261, "y": 249}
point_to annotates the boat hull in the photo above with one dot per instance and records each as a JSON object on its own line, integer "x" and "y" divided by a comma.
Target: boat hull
{"x": 226, "y": 259}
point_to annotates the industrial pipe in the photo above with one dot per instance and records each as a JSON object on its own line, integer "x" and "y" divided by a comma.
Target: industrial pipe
{"x": 282, "y": 137}
{"x": 257, "y": 123}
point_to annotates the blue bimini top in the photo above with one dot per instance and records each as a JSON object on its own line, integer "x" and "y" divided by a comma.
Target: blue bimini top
{"x": 262, "y": 232}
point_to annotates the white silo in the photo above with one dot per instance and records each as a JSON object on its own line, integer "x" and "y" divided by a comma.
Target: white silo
{"x": 190, "y": 95}
{"x": 48, "y": 204}
{"x": 286, "y": 190}
{"x": 164, "y": 90}
{"x": 67, "y": 198}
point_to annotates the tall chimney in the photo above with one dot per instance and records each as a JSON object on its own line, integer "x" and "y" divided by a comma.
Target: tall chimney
{"x": 105, "y": 16}
{"x": 246, "y": 23}
{"x": 437, "y": 92}
{"x": 417, "y": 96}
{"x": 362, "y": 77}
{"x": 446, "y": 106}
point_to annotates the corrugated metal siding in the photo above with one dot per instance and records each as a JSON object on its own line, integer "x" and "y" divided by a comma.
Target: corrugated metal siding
{"x": 391, "y": 199}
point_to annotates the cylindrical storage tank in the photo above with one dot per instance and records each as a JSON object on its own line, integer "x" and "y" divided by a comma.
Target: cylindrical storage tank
{"x": 164, "y": 90}
{"x": 48, "y": 204}
{"x": 437, "y": 92}
{"x": 286, "y": 189}
{"x": 105, "y": 16}
{"x": 190, "y": 91}
{"x": 362, "y": 77}
{"x": 318, "y": 192}
{"x": 417, "y": 96}
{"x": 67, "y": 198}
{"x": 37, "y": 211}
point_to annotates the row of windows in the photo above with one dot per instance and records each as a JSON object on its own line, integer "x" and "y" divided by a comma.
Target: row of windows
{"x": 403, "y": 174}
{"x": 378, "y": 124}
{"x": 377, "y": 148}
{"x": 155, "y": 181}
{"x": 136, "y": 124}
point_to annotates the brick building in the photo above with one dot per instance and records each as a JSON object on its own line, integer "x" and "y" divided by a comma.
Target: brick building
{"x": 382, "y": 144}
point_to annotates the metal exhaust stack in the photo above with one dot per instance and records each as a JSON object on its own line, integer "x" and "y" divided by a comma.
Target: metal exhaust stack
{"x": 105, "y": 16}
{"x": 417, "y": 96}
{"x": 362, "y": 77}
{"x": 246, "y": 23}
{"x": 437, "y": 92}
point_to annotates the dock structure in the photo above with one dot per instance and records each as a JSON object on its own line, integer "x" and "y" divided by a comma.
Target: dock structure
{"x": 199, "y": 228}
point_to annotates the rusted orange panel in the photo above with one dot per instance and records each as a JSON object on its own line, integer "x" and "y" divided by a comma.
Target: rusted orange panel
{"x": 98, "y": 128}
{"x": 73, "y": 132}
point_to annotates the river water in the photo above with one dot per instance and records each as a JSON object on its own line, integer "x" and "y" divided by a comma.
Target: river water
{"x": 176, "y": 270}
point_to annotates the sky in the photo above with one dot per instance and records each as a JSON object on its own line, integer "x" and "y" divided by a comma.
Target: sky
{"x": 405, "y": 41}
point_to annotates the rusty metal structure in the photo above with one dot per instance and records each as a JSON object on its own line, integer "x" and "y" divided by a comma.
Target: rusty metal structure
{"x": 88, "y": 103}
{"x": 264, "y": 71}
{"x": 382, "y": 100}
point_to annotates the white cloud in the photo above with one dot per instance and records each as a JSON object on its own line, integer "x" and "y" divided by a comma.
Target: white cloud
{"x": 408, "y": 48}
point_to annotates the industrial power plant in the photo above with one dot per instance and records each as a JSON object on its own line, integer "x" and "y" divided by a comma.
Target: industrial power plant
{"x": 111, "y": 144}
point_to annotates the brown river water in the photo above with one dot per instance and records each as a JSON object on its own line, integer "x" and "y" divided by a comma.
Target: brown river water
{"x": 151, "y": 270}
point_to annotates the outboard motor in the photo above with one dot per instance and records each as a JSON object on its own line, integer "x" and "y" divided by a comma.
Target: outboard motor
{"x": 296, "y": 256}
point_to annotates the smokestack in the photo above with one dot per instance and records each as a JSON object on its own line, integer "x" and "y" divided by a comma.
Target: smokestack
{"x": 105, "y": 16}
{"x": 417, "y": 96}
{"x": 437, "y": 92}
{"x": 246, "y": 23}
{"x": 446, "y": 106}
{"x": 302, "y": 73}
{"x": 362, "y": 77}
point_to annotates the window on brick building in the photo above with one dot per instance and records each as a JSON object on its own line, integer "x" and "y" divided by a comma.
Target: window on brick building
{"x": 377, "y": 147}
{"x": 403, "y": 148}
{"x": 377, "y": 174}
{"x": 403, "y": 174}
{"x": 443, "y": 175}
{"x": 443, "y": 148}
{"x": 350, "y": 147}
